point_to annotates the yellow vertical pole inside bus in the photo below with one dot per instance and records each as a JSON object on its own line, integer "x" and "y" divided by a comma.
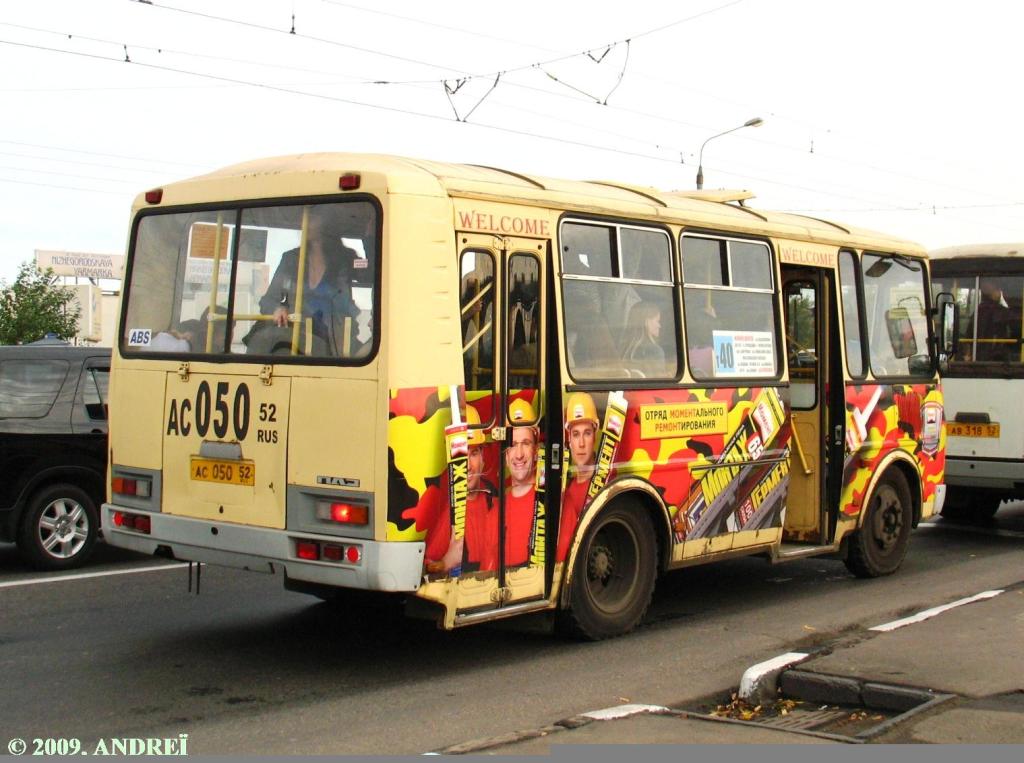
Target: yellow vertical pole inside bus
{"x": 300, "y": 279}
{"x": 211, "y": 315}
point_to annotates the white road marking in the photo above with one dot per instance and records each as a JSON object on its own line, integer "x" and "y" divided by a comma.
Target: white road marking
{"x": 84, "y": 575}
{"x": 920, "y": 616}
{"x": 623, "y": 711}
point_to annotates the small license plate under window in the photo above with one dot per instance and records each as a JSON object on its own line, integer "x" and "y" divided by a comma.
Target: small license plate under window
{"x": 957, "y": 429}
{"x": 223, "y": 472}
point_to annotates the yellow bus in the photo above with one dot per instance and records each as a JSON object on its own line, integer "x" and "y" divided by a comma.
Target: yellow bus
{"x": 496, "y": 393}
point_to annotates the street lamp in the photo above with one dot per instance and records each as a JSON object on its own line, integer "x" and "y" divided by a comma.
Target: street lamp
{"x": 700, "y": 161}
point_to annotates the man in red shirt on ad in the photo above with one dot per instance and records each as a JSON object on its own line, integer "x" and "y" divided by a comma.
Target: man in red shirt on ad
{"x": 581, "y": 427}
{"x": 520, "y": 501}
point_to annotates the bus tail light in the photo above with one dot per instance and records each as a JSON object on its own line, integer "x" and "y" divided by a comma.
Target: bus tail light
{"x": 140, "y": 523}
{"x": 314, "y": 551}
{"x": 308, "y": 550}
{"x": 155, "y": 196}
{"x": 349, "y": 181}
{"x": 140, "y": 488}
{"x": 342, "y": 513}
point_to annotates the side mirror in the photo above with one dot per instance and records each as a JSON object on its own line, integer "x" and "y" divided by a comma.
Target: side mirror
{"x": 948, "y": 334}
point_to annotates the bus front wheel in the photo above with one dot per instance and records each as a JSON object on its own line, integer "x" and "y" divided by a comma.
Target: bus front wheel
{"x": 614, "y": 572}
{"x": 880, "y": 544}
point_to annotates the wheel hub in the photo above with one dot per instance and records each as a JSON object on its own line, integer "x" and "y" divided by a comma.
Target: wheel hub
{"x": 889, "y": 522}
{"x": 601, "y": 563}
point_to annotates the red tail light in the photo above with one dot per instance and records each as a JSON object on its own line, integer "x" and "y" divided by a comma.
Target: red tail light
{"x": 307, "y": 550}
{"x": 348, "y": 514}
{"x": 334, "y": 553}
{"x": 353, "y": 554}
{"x": 343, "y": 513}
{"x": 139, "y": 522}
{"x": 155, "y": 196}
{"x": 128, "y": 486}
{"x": 349, "y": 181}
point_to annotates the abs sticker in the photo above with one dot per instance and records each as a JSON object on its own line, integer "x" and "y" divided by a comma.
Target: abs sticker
{"x": 139, "y": 337}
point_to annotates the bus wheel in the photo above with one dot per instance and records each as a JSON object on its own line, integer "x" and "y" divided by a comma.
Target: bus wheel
{"x": 59, "y": 527}
{"x": 614, "y": 575}
{"x": 879, "y": 546}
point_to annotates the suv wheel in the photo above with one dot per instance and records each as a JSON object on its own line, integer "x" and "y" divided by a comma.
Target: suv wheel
{"x": 59, "y": 528}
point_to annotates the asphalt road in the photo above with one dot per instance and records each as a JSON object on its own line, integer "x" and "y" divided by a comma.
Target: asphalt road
{"x": 247, "y": 668}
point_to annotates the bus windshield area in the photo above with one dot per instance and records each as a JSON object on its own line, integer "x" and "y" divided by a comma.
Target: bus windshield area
{"x": 991, "y": 310}
{"x": 291, "y": 280}
{"x": 897, "y": 317}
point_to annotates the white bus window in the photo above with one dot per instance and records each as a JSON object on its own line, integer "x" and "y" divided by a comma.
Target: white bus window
{"x": 620, "y": 321}
{"x": 524, "y": 322}
{"x": 990, "y": 316}
{"x": 477, "y": 307}
{"x": 894, "y": 297}
{"x": 728, "y": 301}
{"x": 851, "y": 313}
{"x": 228, "y": 282}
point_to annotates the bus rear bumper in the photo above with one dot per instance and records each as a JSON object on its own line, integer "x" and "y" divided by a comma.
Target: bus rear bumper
{"x": 998, "y": 474}
{"x": 392, "y": 566}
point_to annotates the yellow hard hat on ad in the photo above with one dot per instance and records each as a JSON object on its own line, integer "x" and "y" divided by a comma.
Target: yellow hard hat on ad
{"x": 475, "y": 435}
{"x": 579, "y": 406}
{"x": 521, "y": 412}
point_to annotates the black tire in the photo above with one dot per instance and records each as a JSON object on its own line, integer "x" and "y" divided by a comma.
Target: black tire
{"x": 965, "y": 505}
{"x": 878, "y": 547}
{"x": 59, "y": 527}
{"x": 613, "y": 579}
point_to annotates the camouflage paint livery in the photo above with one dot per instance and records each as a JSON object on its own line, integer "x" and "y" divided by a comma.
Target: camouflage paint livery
{"x": 883, "y": 418}
{"x": 719, "y": 458}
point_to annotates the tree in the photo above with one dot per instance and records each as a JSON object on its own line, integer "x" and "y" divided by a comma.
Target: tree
{"x": 36, "y": 305}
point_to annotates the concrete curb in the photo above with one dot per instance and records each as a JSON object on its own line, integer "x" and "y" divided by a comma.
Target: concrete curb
{"x": 907, "y": 701}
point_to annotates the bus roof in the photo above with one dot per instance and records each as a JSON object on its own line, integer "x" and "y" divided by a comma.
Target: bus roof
{"x": 977, "y": 250}
{"x": 316, "y": 173}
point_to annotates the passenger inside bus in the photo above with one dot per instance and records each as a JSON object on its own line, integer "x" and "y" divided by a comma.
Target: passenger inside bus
{"x": 642, "y": 353}
{"x": 326, "y": 297}
{"x": 995, "y": 323}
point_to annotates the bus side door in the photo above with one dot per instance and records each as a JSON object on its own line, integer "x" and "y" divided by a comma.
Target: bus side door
{"x": 502, "y": 298}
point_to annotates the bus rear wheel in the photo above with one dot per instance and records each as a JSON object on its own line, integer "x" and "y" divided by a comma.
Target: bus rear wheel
{"x": 613, "y": 577}
{"x": 880, "y": 544}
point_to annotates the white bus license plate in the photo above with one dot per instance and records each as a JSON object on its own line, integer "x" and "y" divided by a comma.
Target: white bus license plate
{"x": 955, "y": 429}
{"x": 223, "y": 472}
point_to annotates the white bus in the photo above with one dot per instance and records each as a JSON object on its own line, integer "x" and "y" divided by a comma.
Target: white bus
{"x": 984, "y": 382}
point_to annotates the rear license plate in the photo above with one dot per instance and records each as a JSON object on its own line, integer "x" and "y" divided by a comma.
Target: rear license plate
{"x": 957, "y": 429}
{"x": 223, "y": 472}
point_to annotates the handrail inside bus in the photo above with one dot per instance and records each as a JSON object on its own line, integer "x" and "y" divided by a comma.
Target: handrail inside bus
{"x": 300, "y": 280}
{"x": 476, "y": 337}
{"x": 215, "y": 280}
{"x": 479, "y": 295}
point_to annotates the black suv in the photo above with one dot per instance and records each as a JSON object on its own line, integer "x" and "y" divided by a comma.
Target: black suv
{"x": 53, "y": 450}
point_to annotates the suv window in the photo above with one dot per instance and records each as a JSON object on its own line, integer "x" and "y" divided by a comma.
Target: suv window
{"x": 96, "y": 382}
{"x": 28, "y": 388}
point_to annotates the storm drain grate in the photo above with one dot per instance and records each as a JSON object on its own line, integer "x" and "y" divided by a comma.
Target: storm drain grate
{"x": 833, "y": 707}
{"x": 805, "y": 719}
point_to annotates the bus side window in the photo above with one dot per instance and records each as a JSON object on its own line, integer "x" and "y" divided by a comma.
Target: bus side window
{"x": 728, "y": 299}
{"x": 476, "y": 300}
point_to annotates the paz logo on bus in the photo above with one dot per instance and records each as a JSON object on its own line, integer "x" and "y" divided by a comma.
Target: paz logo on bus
{"x": 322, "y": 479}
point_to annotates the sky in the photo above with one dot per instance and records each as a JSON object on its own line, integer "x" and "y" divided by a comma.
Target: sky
{"x": 895, "y": 115}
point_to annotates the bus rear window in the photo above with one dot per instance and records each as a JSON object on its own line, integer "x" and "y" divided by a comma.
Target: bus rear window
{"x": 295, "y": 280}
{"x": 991, "y": 310}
